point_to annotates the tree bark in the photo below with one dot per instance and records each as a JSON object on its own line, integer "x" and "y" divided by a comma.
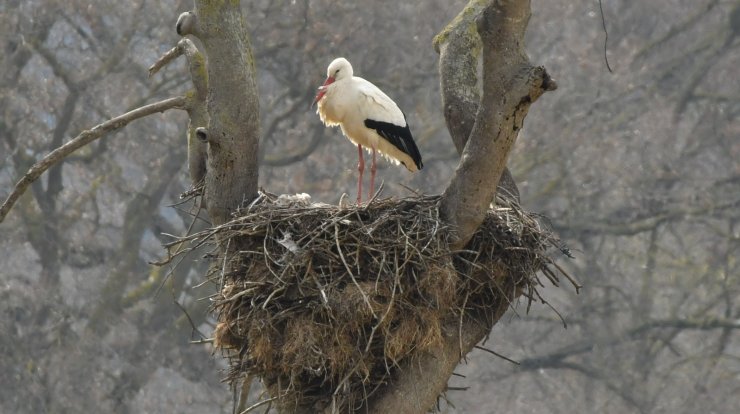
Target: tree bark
{"x": 510, "y": 85}
{"x": 419, "y": 384}
{"x": 459, "y": 47}
{"x": 233, "y": 129}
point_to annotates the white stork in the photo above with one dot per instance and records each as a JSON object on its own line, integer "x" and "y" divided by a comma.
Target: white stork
{"x": 368, "y": 117}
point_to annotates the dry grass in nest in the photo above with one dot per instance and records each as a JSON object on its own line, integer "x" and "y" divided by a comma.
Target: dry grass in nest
{"x": 323, "y": 303}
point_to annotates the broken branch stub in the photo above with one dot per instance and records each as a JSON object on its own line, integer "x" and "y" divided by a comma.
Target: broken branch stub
{"x": 197, "y": 113}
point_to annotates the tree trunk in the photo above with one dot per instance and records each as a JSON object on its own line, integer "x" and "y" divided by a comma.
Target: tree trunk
{"x": 233, "y": 130}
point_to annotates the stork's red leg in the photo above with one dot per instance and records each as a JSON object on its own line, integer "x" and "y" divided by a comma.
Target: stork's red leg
{"x": 372, "y": 178}
{"x": 360, "y": 169}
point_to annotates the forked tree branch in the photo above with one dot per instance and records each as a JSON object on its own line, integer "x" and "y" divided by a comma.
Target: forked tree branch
{"x": 510, "y": 85}
{"x": 84, "y": 138}
{"x": 459, "y": 47}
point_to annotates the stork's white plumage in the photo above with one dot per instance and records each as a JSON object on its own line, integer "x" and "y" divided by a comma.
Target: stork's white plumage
{"x": 368, "y": 117}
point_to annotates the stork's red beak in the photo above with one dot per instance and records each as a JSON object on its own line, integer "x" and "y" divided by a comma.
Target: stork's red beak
{"x": 322, "y": 90}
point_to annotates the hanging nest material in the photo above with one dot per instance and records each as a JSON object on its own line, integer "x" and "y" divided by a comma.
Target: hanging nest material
{"x": 323, "y": 303}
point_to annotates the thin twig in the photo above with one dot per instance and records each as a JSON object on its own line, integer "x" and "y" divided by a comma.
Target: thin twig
{"x": 387, "y": 311}
{"x": 490, "y": 351}
{"x": 567, "y": 275}
{"x": 606, "y": 37}
{"x": 192, "y": 324}
{"x": 259, "y": 404}
{"x": 349, "y": 271}
{"x": 377, "y": 193}
{"x": 456, "y": 389}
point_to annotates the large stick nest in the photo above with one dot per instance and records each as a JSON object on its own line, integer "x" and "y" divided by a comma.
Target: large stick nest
{"x": 323, "y": 303}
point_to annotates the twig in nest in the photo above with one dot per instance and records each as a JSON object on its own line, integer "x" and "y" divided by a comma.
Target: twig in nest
{"x": 572, "y": 280}
{"x": 456, "y": 389}
{"x": 490, "y": 351}
{"x": 351, "y": 275}
{"x": 202, "y": 341}
{"x": 259, "y": 404}
{"x": 460, "y": 324}
{"x": 377, "y": 193}
{"x": 193, "y": 192}
{"x": 565, "y": 324}
{"x": 411, "y": 190}
{"x": 385, "y": 315}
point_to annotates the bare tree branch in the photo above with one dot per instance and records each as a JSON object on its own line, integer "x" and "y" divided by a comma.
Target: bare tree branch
{"x": 620, "y": 227}
{"x": 678, "y": 29}
{"x": 296, "y": 155}
{"x": 459, "y": 47}
{"x": 510, "y": 85}
{"x": 83, "y": 139}
{"x": 557, "y": 357}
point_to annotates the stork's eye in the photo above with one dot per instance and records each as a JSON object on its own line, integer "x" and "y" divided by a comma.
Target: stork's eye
{"x": 336, "y": 72}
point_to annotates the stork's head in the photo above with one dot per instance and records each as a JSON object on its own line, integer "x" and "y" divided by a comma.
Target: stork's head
{"x": 338, "y": 69}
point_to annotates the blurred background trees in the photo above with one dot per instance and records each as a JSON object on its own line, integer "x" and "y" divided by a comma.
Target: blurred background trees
{"x": 636, "y": 169}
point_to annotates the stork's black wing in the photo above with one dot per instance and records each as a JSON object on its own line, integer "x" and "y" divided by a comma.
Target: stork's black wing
{"x": 399, "y": 136}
